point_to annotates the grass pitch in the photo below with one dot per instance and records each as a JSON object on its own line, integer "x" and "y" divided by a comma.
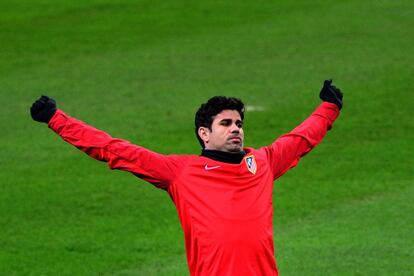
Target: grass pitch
{"x": 140, "y": 69}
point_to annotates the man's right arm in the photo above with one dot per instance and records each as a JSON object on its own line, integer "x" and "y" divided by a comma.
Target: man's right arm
{"x": 120, "y": 154}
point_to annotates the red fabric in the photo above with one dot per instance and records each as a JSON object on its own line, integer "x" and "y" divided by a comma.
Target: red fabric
{"x": 225, "y": 209}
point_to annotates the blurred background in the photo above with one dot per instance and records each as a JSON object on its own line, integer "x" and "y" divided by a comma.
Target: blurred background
{"x": 140, "y": 69}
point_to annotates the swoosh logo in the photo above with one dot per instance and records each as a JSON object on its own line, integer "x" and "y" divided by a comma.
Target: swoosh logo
{"x": 207, "y": 168}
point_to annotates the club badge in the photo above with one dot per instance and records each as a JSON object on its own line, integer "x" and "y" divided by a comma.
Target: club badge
{"x": 251, "y": 164}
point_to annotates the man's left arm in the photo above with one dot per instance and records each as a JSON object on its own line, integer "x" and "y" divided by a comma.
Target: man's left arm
{"x": 286, "y": 151}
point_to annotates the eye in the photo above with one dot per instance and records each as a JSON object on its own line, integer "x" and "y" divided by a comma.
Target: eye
{"x": 239, "y": 124}
{"x": 225, "y": 123}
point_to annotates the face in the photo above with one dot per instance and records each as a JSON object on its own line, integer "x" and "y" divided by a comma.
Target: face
{"x": 226, "y": 132}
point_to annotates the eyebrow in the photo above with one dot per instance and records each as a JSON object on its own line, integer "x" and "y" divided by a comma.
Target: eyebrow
{"x": 230, "y": 120}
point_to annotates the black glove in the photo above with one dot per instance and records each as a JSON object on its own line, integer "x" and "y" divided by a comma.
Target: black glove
{"x": 330, "y": 93}
{"x": 43, "y": 109}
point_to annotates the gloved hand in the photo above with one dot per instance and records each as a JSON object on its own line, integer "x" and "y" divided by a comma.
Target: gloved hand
{"x": 43, "y": 109}
{"x": 330, "y": 93}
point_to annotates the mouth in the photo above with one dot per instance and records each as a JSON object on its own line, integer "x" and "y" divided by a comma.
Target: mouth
{"x": 235, "y": 139}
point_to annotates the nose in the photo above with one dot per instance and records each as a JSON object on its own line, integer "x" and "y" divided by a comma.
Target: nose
{"x": 235, "y": 128}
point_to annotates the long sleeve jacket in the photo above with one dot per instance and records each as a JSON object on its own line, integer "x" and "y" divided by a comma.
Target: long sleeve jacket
{"x": 225, "y": 209}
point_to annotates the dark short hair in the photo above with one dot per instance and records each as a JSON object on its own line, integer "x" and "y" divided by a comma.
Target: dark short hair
{"x": 205, "y": 114}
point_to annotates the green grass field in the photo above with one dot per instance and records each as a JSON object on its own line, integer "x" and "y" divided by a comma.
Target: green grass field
{"x": 140, "y": 69}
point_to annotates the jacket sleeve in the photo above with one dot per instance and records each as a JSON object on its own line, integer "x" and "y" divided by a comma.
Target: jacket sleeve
{"x": 155, "y": 168}
{"x": 284, "y": 153}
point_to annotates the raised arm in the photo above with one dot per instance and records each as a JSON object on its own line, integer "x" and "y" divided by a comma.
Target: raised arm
{"x": 285, "y": 152}
{"x": 155, "y": 168}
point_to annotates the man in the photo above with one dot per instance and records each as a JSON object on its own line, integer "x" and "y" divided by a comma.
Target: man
{"x": 223, "y": 197}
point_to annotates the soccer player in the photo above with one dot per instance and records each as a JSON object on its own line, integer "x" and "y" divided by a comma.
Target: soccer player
{"x": 223, "y": 196}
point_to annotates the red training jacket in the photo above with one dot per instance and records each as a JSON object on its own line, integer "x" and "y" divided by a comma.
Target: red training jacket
{"x": 225, "y": 209}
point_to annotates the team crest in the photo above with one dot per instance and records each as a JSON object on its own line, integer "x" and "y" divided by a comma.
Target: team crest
{"x": 251, "y": 164}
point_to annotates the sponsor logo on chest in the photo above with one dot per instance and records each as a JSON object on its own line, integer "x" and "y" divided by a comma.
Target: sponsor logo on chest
{"x": 209, "y": 168}
{"x": 251, "y": 164}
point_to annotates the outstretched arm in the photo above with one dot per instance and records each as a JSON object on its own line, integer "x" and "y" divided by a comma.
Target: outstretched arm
{"x": 155, "y": 168}
{"x": 285, "y": 152}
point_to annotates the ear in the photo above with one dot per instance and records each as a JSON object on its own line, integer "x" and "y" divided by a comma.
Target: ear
{"x": 204, "y": 134}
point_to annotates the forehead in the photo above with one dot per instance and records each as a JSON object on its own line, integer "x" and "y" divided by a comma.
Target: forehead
{"x": 227, "y": 114}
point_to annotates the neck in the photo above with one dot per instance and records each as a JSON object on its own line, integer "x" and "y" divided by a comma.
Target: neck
{"x": 222, "y": 156}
